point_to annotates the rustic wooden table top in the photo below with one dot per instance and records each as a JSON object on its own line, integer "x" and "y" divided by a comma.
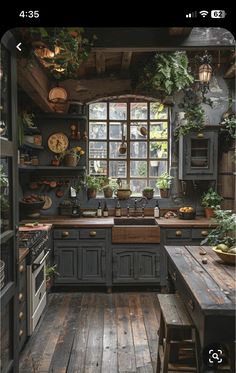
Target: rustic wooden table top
{"x": 211, "y": 284}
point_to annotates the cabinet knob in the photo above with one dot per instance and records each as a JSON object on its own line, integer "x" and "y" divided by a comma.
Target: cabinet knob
{"x": 200, "y": 135}
{"x": 92, "y": 233}
{"x": 204, "y": 233}
{"x": 21, "y": 268}
{"x": 21, "y": 315}
{"x": 178, "y": 233}
{"x": 21, "y": 296}
{"x": 65, "y": 234}
{"x": 21, "y": 333}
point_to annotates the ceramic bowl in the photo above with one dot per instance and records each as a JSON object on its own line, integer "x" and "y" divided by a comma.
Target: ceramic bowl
{"x": 226, "y": 257}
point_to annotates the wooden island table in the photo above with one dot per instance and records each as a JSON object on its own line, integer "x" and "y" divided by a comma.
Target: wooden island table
{"x": 208, "y": 291}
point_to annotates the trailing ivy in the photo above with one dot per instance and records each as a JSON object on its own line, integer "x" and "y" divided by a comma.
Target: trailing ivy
{"x": 164, "y": 72}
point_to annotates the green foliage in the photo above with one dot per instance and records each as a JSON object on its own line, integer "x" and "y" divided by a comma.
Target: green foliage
{"x": 211, "y": 199}
{"x": 165, "y": 72}
{"x": 94, "y": 182}
{"x": 110, "y": 183}
{"x": 229, "y": 124}
{"x": 164, "y": 181}
{"x": 225, "y": 232}
{"x": 148, "y": 189}
{"x": 51, "y": 271}
{"x": 3, "y": 178}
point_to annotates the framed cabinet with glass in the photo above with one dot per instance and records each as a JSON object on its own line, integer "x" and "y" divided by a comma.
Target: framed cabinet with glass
{"x": 198, "y": 155}
{"x": 8, "y": 202}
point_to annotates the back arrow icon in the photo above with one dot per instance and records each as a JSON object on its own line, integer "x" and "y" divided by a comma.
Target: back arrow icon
{"x": 18, "y": 47}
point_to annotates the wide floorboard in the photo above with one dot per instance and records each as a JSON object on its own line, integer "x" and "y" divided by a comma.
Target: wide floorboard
{"x": 93, "y": 333}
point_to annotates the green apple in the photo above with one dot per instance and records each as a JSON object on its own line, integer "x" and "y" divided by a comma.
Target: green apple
{"x": 223, "y": 247}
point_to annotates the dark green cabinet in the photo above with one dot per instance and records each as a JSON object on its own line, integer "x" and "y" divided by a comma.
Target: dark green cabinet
{"x": 91, "y": 262}
{"x": 132, "y": 266}
{"x": 198, "y": 155}
{"x": 66, "y": 258}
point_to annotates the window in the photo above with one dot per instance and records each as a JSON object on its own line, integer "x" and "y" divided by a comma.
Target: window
{"x": 145, "y": 128}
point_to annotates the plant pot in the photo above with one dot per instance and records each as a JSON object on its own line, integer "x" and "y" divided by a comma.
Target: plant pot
{"x": 55, "y": 162}
{"x": 49, "y": 282}
{"x": 164, "y": 193}
{"x": 148, "y": 194}
{"x": 70, "y": 160}
{"x": 108, "y": 192}
{"x": 123, "y": 193}
{"x": 91, "y": 193}
{"x": 209, "y": 212}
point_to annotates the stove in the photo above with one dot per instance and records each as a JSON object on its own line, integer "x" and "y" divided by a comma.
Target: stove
{"x": 35, "y": 241}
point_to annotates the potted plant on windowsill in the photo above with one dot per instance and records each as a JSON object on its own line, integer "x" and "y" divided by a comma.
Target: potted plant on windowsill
{"x": 148, "y": 192}
{"x": 164, "y": 183}
{"x": 93, "y": 184}
{"x": 210, "y": 201}
{"x": 51, "y": 273}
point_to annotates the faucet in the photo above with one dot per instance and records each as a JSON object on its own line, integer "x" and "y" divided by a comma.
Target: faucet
{"x": 136, "y": 201}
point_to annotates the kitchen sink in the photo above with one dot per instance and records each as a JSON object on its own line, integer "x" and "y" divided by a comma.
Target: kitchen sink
{"x": 135, "y": 221}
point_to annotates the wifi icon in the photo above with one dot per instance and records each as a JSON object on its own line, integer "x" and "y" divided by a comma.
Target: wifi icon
{"x": 203, "y": 13}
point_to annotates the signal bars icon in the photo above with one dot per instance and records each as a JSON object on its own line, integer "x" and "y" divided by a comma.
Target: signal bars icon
{"x": 192, "y": 15}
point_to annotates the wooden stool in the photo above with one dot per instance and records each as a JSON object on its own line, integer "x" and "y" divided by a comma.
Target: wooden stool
{"x": 177, "y": 337}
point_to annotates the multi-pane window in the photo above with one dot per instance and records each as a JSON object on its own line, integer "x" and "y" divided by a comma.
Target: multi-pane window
{"x": 144, "y": 129}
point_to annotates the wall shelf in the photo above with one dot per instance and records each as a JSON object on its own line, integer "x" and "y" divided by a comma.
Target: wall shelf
{"x": 33, "y": 146}
{"x": 50, "y": 168}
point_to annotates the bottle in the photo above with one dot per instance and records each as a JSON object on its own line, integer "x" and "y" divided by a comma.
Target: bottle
{"x": 105, "y": 210}
{"x": 99, "y": 210}
{"x": 157, "y": 210}
{"x": 118, "y": 209}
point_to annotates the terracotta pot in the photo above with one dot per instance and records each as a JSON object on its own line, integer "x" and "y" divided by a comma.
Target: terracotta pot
{"x": 71, "y": 160}
{"x": 91, "y": 193}
{"x": 49, "y": 282}
{"x": 108, "y": 192}
{"x": 164, "y": 193}
{"x": 209, "y": 212}
{"x": 148, "y": 194}
{"x": 123, "y": 193}
{"x": 55, "y": 162}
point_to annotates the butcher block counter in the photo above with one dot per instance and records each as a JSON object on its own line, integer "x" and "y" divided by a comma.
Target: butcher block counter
{"x": 58, "y": 221}
{"x": 207, "y": 287}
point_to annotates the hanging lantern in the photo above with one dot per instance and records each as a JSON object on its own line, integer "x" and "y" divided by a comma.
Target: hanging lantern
{"x": 57, "y": 95}
{"x": 205, "y": 73}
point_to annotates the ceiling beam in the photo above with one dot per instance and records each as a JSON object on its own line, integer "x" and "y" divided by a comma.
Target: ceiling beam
{"x": 35, "y": 83}
{"x": 100, "y": 63}
{"x": 126, "y": 59}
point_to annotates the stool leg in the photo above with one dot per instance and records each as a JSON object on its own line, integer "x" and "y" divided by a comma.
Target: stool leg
{"x": 160, "y": 342}
{"x": 166, "y": 351}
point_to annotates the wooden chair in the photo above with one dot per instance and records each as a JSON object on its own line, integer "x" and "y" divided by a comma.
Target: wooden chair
{"x": 178, "y": 349}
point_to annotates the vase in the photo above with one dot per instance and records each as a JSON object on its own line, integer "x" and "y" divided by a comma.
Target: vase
{"x": 209, "y": 212}
{"x": 70, "y": 160}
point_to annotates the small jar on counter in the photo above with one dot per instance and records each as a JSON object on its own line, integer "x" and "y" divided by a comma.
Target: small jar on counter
{"x": 22, "y": 159}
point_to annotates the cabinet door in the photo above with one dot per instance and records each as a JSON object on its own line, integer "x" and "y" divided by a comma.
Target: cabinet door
{"x": 66, "y": 254}
{"x": 91, "y": 263}
{"x": 123, "y": 266}
{"x": 148, "y": 266}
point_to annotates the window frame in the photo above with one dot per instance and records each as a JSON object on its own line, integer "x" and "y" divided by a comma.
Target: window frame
{"x": 128, "y": 121}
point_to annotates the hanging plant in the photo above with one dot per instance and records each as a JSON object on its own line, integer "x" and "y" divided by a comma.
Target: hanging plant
{"x": 164, "y": 72}
{"x": 61, "y": 50}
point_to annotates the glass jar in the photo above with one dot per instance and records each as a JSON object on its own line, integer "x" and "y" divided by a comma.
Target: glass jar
{"x": 35, "y": 160}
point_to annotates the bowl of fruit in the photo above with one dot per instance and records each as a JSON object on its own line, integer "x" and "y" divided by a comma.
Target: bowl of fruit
{"x": 225, "y": 253}
{"x": 30, "y": 206}
{"x": 187, "y": 213}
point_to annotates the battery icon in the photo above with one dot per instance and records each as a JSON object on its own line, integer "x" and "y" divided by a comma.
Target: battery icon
{"x": 218, "y": 14}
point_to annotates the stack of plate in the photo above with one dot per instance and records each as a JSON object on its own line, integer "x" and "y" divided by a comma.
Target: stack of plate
{"x": 2, "y": 273}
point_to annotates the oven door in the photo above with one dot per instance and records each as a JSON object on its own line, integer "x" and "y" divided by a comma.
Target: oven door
{"x": 36, "y": 290}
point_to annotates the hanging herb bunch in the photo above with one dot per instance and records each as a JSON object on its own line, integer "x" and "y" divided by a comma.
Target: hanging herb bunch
{"x": 164, "y": 73}
{"x": 61, "y": 50}
{"x": 194, "y": 113}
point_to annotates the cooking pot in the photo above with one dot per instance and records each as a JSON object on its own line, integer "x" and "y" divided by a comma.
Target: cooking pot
{"x": 123, "y": 193}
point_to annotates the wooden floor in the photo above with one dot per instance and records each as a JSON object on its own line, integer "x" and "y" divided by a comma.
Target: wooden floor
{"x": 95, "y": 332}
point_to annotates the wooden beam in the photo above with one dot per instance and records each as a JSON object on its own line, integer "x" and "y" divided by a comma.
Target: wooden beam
{"x": 126, "y": 59}
{"x": 230, "y": 73}
{"x": 92, "y": 89}
{"x": 35, "y": 83}
{"x": 100, "y": 63}
{"x": 180, "y": 31}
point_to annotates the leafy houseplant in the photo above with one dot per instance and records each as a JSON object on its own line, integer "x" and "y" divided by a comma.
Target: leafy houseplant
{"x": 210, "y": 200}
{"x": 51, "y": 273}
{"x": 93, "y": 184}
{"x": 227, "y": 133}
{"x": 164, "y": 183}
{"x": 166, "y": 73}
{"x": 225, "y": 232}
{"x": 72, "y": 156}
{"x": 148, "y": 192}
{"x": 109, "y": 188}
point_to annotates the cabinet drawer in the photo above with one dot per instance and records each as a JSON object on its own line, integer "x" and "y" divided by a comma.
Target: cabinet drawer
{"x": 178, "y": 233}
{"x": 200, "y": 233}
{"x": 92, "y": 233}
{"x": 66, "y": 234}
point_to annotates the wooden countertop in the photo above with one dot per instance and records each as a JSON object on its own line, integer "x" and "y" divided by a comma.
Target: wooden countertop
{"x": 58, "y": 221}
{"x": 23, "y": 253}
